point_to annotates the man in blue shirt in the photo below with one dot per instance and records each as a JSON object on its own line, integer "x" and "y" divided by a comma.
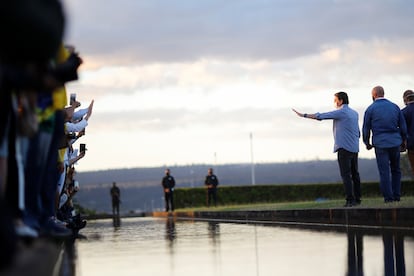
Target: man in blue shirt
{"x": 408, "y": 112}
{"x": 386, "y": 122}
{"x": 346, "y": 136}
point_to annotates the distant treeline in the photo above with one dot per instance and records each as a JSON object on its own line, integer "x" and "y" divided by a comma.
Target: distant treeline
{"x": 141, "y": 189}
{"x": 318, "y": 171}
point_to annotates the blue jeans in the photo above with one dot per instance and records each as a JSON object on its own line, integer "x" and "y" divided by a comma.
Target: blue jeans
{"x": 348, "y": 166}
{"x": 388, "y": 162}
{"x": 36, "y": 170}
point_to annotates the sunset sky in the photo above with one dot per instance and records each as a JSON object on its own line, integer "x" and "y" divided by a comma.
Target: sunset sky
{"x": 186, "y": 82}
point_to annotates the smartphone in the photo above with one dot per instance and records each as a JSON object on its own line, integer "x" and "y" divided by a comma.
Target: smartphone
{"x": 72, "y": 98}
{"x": 82, "y": 148}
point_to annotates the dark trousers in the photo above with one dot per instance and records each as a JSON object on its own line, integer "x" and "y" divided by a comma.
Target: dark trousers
{"x": 36, "y": 172}
{"x": 211, "y": 194}
{"x": 388, "y": 160}
{"x": 348, "y": 166}
{"x": 169, "y": 201}
{"x": 115, "y": 207}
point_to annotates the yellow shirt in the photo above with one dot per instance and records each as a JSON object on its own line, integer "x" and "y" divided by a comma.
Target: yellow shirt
{"x": 59, "y": 95}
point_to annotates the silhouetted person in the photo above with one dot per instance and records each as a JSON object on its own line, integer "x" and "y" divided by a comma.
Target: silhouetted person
{"x": 211, "y": 183}
{"x": 168, "y": 184}
{"x": 116, "y": 199}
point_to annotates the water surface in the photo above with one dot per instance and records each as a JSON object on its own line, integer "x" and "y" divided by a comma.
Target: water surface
{"x": 151, "y": 246}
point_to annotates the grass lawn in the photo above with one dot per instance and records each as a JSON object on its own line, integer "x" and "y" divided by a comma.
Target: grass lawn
{"x": 377, "y": 202}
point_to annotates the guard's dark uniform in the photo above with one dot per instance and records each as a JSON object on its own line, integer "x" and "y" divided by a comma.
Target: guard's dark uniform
{"x": 116, "y": 199}
{"x": 211, "y": 182}
{"x": 168, "y": 183}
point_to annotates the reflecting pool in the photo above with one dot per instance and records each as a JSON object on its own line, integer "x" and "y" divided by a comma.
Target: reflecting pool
{"x": 165, "y": 246}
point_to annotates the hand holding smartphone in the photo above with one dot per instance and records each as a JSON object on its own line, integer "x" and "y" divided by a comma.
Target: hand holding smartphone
{"x": 72, "y": 98}
{"x": 82, "y": 148}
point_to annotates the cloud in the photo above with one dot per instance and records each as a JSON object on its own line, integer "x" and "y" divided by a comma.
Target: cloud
{"x": 350, "y": 66}
{"x": 182, "y": 31}
{"x": 175, "y": 81}
{"x": 167, "y": 119}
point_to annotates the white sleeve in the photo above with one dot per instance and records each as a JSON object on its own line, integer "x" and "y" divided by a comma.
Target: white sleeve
{"x": 79, "y": 114}
{"x": 76, "y": 127}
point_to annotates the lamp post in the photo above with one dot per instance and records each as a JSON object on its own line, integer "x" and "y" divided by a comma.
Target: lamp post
{"x": 252, "y": 160}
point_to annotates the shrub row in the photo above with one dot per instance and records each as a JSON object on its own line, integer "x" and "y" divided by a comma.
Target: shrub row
{"x": 231, "y": 195}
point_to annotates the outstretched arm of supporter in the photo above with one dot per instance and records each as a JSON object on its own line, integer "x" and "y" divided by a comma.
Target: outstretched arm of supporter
{"x": 90, "y": 108}
{"x": 304, "y": 115}
{"x": 76, "y": 159}
{"x": 79, "y": 114}
{"x": 76, "y": 127}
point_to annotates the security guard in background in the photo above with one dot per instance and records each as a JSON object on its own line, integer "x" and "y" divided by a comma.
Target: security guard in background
{"x": 168, "y": 183}
{"x": 211, "y": 182}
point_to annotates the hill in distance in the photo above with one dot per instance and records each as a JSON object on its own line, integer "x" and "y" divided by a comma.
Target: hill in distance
{"x": 141, "y": 187}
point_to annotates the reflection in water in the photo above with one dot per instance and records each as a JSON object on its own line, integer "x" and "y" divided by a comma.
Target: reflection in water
{"x": 170, "y": 235}
{"x": 150, "y": 246}
{"x": 170, "y": 228}
{"x": 214, "y": 236}
{"x": 355, "y": 252}
{"x": 213, "y": 230}
{"x": 116, "y": 221}
{"x": 394, "y": 259}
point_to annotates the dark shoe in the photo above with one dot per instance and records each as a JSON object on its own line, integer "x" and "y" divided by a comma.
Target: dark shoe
{"x": 77, "y": 225}
{"x": 55, "y": 230}
{"x": 357, "y": 202}
{"x": 397, "y": 199}
{"x": 387, "y": 201}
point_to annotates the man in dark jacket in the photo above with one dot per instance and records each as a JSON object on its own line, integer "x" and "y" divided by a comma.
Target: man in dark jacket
{"x": 116, "y": 199}
{"x": 211, "y": 182}
{"x": 408, "y": 112}
{"x": 168, "y": 184}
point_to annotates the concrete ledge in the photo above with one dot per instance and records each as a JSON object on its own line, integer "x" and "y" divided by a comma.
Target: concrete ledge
{"x": 372, "y": 217}
{"x": 40, "y": 258}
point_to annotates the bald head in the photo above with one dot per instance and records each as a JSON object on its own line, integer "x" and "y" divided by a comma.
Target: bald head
{"x": 377, "y": 92}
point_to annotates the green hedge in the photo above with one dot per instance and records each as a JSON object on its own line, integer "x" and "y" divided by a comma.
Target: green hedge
{"x": 230, "y": 195}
